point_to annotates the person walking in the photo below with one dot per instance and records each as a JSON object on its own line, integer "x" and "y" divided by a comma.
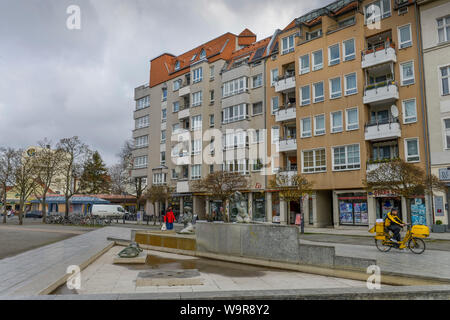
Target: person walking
{"x": 169, "y": 219}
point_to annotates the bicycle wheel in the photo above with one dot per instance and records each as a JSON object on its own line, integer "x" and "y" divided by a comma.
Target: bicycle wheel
{"x": 381, "y": 246}
{"x": 416, "y": 245}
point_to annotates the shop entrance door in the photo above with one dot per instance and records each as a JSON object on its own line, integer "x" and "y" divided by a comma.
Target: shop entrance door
{"x": 385, "y": 205}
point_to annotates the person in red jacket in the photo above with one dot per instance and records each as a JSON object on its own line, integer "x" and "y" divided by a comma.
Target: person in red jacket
{"x": 169, "y": 219}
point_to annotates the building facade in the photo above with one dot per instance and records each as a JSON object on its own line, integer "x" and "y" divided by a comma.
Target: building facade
{"x": 435, "y": 24}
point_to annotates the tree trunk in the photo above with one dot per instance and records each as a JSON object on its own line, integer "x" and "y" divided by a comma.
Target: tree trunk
{"x": 4, "y": 207}
{"x": 21, "y": 205}
{"x": 44, "y": 211}
{"x": 66, "y": 211}
{"x": 154, "y": 214}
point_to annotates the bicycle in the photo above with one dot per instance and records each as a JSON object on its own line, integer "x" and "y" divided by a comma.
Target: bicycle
{"x": 413, "y": 239}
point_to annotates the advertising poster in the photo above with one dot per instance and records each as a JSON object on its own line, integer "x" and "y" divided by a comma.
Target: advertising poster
{"x": 418, "y": 213}
{"x": 346, "y": 212}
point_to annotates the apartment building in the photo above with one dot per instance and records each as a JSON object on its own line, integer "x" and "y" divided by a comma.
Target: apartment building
{"x": 343, "y": 96}
{"x": 196, "y": 112}
{"x": 435, "y": 24}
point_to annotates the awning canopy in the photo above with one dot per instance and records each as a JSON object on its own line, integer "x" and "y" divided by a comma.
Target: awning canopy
{"x": 73, "y": 200}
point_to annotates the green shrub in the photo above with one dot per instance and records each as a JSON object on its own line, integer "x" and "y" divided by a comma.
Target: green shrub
{"x": 438, "y": 222}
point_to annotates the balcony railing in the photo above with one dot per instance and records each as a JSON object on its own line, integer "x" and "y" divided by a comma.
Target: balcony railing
{"x": 286, "y": 113}
{"x": 184, "y": 112}
{"x": 384, "y": 129}
{"x": 382, "y": 92}
{"x": 288, "y": 144}
{"x": 184, "y": 90}
{"x": 285, "y": 82}
{"x": 379, "y": 54}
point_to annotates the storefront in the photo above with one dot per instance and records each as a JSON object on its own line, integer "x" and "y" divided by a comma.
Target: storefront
{"x": 294, "y": 210}
{"x": 259, "y": 206}
{"x": 385, "y": 201}
{"x": 353, "y": 209}
{"x": 275, "y": 207}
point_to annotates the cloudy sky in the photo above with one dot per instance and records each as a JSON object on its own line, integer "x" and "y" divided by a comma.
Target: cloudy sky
{"x": 56, "y": 82}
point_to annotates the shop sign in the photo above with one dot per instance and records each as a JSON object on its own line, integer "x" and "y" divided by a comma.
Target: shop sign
{"x": 384, "y": 193}
{"x": 439, "y": 206}
{"x": 444, "y": 174}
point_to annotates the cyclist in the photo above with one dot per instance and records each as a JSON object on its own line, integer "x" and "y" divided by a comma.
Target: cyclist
{"x": 394, "y": 224}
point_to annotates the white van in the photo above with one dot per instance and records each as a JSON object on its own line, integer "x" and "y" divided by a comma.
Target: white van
{"x": 108, "y": 210}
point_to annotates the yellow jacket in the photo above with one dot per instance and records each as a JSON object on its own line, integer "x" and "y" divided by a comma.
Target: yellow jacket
{"x": 392, "y": 219}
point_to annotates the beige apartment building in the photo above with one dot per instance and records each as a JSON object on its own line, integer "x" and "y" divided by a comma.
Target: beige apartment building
{"x": 435, "y": 24}
{"x": 344, "y": 95}
{"x": 198, "y": 114}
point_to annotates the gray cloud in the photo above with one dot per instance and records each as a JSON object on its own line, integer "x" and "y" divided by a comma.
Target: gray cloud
{"x": 56, "y": 82}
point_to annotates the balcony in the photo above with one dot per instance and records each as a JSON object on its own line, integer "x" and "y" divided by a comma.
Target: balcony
{"x": 287, "y": 145}
{"x": 183, "y": 186}
{"x": 378, "y": 55}
{"x": 286, "y": 114}
{"x": 285, "y": 83}
{"x": 379, "y": 93}
{"x": 286, "y": 175}
{"x": 184, "y": 91}
{"x": 383, "y": 130}
{"x": 183, "y": 113}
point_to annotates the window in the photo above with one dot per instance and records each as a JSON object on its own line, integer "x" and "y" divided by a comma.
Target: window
{"x": 211, "y": 72}
{"x": 143, "y": 103}
{"x": 203, "y": 54}
{"x": 211, "y": 95}
{"x": 176, "y": 85}
{"x": 305, "y": 127}
{"x": 304, "y": 64}
{"x": 141, "y": 142}
{"x": 346, "y": 157}
{"x": 317, "y": 60}
{"x": 162, "y": 158}
{"x": 176, "y": 106}
{"x": 288, "y": 44}
{"x": 407, "y": 73}
{"x": 197, "y": 98}
{"x": 159, "y": 178}
{"x": 404, "y": 36}
{"x": 257, "y": 108}
{"x": 257, "y": 80}
{"x": 142, "y": 122}
{"x": 235, "y": 139}
{"x": 197, "y": 122}
{"x": 163, "y": 115}
{"x": 234, "y": 87}
{"x": 174, "y": 174}
{"x": 305, "y": 95}
{"x": 349, "y": 50}
{"x": 443, "y": 27}
{"x": 211, "y": 168}
{"x": 275, "y": 134}
{"x": 447, "y": 133}
{"x": 412, "y": 150}
{"x": 445, "y": 76}
{"x": 240, "y": 166}
{"x": 275, "y": 105}
{"x": 352, "y": 119}
{"x": 318, "y": 92}
{"x": 335, "y": 88}
{"x": 314, "y": 34}
{"x": 257, "y": 164}
{"x": 197, "y": 75}
{"x": 334, "y": 55}
{"x": 175, "y": 127}
{"x": 409, "y": 111}
{"x": 196, "y": 172}
{"x": 257, "y": 135}
{"x": 164, "y": 94}
{"x": 273, "y": 76}
{"x": 336, "y": 122}
{"x": 177, "y": 65}
{"x": 163, "y": 136}
{"x": 234, "y": 113}
{"x": 319, "y": 125}
{"x": 350, "y": 84}
{"x": 196, "y": 146}
{"x": 193, "y": 57}
{"x": 314, "y": 161}
{"x": 211, "y": 120}
{"x": 377, "y": 10}
{"x": 140, "y": 162}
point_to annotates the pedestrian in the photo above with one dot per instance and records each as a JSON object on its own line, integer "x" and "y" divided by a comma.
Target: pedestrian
{"x": 169, "y": 218}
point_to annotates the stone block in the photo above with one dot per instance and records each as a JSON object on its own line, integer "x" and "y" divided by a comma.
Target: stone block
{"x": 316, "y": 255}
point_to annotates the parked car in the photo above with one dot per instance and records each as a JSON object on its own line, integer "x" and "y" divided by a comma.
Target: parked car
{"x": 33, "y": 214}
{"x": 108, "y": 210}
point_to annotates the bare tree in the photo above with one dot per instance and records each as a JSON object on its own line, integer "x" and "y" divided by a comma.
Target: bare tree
{"x": 7, "y": 169}
{"x": 221, "y": 185}
{"x": 156, "y": 194}
{"x": 25, "y": 179}
{"x": 48, "y": 165}
{"x": 120, "y": 180}
{"x": 292, "y": 188}
{"x": 75, "y": 155}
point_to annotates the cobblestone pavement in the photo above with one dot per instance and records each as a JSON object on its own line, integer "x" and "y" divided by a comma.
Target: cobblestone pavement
{"x": 431, "y": 263}
{"x": 30, "y": 272}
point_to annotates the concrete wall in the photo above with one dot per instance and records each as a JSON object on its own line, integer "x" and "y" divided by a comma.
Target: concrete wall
{"x": 269, "y": 242}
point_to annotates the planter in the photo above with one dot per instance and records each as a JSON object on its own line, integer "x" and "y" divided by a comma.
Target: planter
{"x": 439, "y": 228}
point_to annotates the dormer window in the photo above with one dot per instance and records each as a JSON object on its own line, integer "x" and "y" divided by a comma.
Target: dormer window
{"x": 177, "y": 65}
{"x": 193, "y": 57}
{"x": 203, "y": 54}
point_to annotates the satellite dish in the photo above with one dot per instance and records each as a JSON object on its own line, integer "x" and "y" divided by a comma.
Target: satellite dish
{"x": 394, "y": 110}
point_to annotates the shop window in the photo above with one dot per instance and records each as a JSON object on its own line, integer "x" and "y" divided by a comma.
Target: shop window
{"x": 353, "y": 209}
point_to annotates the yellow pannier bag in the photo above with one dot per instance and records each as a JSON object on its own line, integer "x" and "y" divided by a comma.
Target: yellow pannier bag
{"x": 379, "y": 227}
{"x": 380, "y": 236}
{"x": 420, "y": 231}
